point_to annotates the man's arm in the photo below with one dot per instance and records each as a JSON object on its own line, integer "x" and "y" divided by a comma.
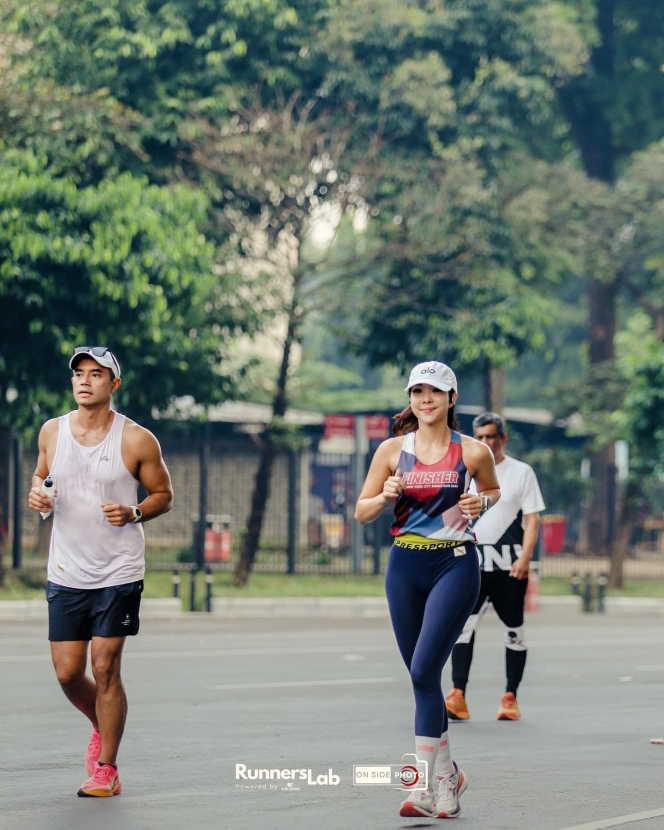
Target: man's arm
{"x": 520, "y": 567}
{"x": 36, "y": 499}
{"x": 153, "y": 475}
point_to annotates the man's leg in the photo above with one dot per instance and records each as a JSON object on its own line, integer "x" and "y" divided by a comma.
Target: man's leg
{"x": 509, "y": 598}
{"x": 69, "y": 661}
{"x": 462, "y": 653}
{"x": 111, "y": 700}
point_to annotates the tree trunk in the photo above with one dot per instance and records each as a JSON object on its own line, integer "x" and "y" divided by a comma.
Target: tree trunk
{"x": 494, "y": 388}
{"x": 263, "y": 478}
{"x": 626, "y": 523}
{"x": 5, "y": 468}
{"x": 584, "y": 102}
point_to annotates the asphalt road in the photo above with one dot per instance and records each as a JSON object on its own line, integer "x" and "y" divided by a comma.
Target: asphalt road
{"x": 206, "y": 695}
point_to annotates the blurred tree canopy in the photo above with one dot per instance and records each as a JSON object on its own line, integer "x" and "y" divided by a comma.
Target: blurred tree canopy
{"x": 434, "y": 177}
{"x": 122, "y": 263}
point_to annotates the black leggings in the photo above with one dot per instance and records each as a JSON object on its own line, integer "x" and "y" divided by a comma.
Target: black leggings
{"x": 507, "y": 595}
{"x": 430, "y": 595}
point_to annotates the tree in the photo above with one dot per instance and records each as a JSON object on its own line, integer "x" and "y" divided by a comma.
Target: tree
{"x": 457, "y": 102}
{"x": 613, "y": 109}
{"x": 123, "y": 263}
{"x": 284, "y": 166}
{"x": 623, "y": 243}
{"x": 638, "y": 421}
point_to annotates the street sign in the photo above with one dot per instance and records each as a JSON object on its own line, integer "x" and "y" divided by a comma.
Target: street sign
{"x": 377, "y": 426}
{"x": 339, "y": 426}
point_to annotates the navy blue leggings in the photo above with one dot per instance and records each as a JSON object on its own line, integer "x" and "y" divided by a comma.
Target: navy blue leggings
{"x": 431, "y": 595}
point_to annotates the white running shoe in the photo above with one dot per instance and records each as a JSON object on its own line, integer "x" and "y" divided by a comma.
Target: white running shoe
{"x": 448, "y": 790}
{"x": 419, "y": 803}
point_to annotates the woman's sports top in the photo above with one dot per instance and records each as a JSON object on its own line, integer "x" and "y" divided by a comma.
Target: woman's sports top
{"x": 427, "y": 510}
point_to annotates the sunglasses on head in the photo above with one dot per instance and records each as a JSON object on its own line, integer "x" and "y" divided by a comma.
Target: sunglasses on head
{"x": 97, "y": 351}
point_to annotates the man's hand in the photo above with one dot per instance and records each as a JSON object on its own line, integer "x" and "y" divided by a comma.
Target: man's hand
{"x": 39, "y": 501}
{"x": 520, "y": 568}
{"x": 118, "y": 515}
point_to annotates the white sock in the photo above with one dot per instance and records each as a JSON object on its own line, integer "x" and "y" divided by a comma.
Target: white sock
{"x": 426, "y": 749}
{"x": 444, "y": 765}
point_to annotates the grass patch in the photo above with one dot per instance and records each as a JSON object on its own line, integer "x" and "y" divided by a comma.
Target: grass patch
{"x": 301, "y": 585}
{"x": 30, "y": 584}
{"x": 555, "y": 586}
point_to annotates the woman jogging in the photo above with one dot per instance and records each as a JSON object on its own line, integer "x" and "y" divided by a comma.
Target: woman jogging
{"x": 433, "y": 576}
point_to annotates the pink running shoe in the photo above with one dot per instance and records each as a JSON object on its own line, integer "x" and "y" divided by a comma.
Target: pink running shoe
{"x": 103, "y": 782}
{"x": 93, "y": 752}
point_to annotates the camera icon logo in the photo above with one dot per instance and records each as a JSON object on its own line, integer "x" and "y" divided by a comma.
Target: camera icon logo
{"x": 413, "y": 774}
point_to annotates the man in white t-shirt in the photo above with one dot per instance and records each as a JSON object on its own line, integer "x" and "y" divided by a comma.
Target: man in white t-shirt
{"x": 506, "y": 539}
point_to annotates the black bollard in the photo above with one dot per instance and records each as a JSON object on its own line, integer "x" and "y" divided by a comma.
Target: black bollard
{"x": 209, "y": 582}
{"x": 192, "y": 592}
{"x": 588, "y": 594}
{"x": 576, "y": 584}
{"x": 175, "y": 579}
{"x": 602, "y": 582}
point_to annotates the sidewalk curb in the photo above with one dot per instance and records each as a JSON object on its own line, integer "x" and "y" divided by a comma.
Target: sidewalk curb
{"x": 256, "y": 607}
{"x": 37, "y": 609}
{"x": 632, "y": 605}
{"x": 282, "y": 607}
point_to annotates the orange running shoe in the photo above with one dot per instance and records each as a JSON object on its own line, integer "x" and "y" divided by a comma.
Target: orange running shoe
{"x": 93, "y": 752}
{"x": 456, "y": 705}
{"x": 509, "y": 708}
{"x": 103, "y": 782}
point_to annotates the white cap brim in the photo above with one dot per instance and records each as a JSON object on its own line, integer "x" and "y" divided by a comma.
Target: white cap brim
{"x": 444, "y": 387}
{"x": 105, "y": 361}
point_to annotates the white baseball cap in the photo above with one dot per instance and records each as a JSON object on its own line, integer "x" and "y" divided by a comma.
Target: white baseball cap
{"x": 435, "y": 374}
{"x": 102, "y": 355}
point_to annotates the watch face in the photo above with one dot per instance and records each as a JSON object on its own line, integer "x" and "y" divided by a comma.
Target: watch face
{"x": 138, "y": 513}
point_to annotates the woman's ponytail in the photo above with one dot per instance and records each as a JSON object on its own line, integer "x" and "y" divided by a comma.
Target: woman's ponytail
{"x": 404, "y": 422}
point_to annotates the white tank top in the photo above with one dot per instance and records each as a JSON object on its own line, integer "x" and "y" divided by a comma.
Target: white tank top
{"x": 86, "y": 550}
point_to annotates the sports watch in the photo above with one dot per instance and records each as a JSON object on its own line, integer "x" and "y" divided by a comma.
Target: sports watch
{"x": 138, "y": 514}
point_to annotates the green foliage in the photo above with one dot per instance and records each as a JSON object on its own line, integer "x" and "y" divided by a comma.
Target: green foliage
{"x": 286, "y": 436}
{"x": 161, "y": 67}
{"x": 558, "y": 470}
{"x": 123, "y": 264}
{"x": 638, "y": 419}
{"x": 622, "y": 85}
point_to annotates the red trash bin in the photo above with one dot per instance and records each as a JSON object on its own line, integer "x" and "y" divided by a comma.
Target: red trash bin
{"x": 218, "y": 539}
{"x": 553, "y": 533}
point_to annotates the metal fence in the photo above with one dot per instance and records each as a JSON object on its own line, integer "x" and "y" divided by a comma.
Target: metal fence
{"x": 308, "y": 525}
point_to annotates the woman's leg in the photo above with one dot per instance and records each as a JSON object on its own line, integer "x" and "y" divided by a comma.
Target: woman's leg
{"x": 405, "y": 598}
{"x": 450, "y": 602}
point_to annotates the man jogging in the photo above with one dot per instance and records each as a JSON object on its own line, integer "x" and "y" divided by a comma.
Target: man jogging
{"x": 96, "y": 459}
{"x": 506, "y": 539}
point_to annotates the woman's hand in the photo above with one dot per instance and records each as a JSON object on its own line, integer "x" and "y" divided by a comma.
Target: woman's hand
{"x": 471, "y": 505}
{"x": 393, "y": 486}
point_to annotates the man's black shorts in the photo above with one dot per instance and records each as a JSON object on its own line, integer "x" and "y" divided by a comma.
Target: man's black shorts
{"x": 506, "y": 593}
{"x": 80, "y": 614}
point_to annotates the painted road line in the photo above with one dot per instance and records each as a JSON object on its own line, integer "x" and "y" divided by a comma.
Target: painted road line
{"x": 222, "y": 652}
{"x": 303, "y": 683}
{"x": 618, "y": 820}
{"x": 249, "y": 652}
